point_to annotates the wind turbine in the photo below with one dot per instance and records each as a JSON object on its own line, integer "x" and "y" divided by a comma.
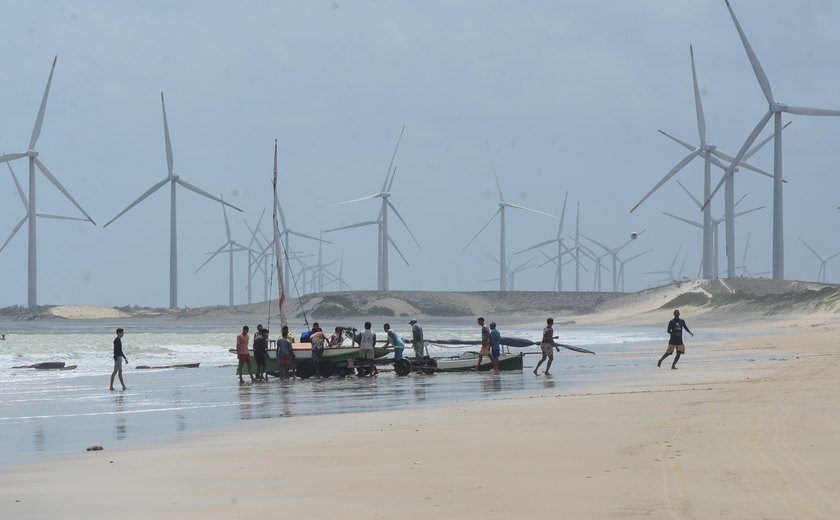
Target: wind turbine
{"x": 382, "y": 222}
{"x": 285, "y": 232}
{"x": 613, "y": 252}
{"x": 501, "y": 211}
{"x": 510, "y": 272}
{"x": 31, "y": 210}
{"x": 729, "y": 190}
{"x": 670, "y": 271}
{"x": 705, "y": 150}
{"x": 775, "y": 110}
{"x": 26, "y": 208}
{"x": 592, "y": 255}
{"x": 715, "y": 224}
{"x": 558, "y": 276}
{"x": 823, "y": 261}
{"x": 172, "y": 180}
{"x": 232, "y": 246}
{"x": 626, "y": 261}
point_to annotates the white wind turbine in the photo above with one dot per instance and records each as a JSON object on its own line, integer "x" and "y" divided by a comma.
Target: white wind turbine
{"x": 705, "y": 150}
{"x": 775, "y": 110}
{"x": 729, "y": 190}
{"x": 613, "y": 252}
{"x": 670, "y": 271}
{"x": 383, "y": 282}
{"x": 510, "y": 272}
{"x": 31, "y": 208}
{"x": 823, "y": 261}
{"x": 232, "y": 246}
{"x": 285, "y": 233}
{"x": 501, "y": 211}
{"x": 173, "y": 180}
{"x": 715, "y": 225}
{"x": 599, "y": 266}
{"x": 626, "y": 261}
{"x": 561, "y": 248}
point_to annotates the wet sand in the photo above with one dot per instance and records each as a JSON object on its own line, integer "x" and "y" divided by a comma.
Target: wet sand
{"x": 751, "y": 438}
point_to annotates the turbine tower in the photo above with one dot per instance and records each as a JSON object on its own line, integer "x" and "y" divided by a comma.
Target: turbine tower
{"x": 561, "y": 248}
{"x": 173, "y": 180}
{"x": 384, "y": 238}
{"x": 501, "y": 211}
{"x": 31, "y": 208}
{"x": 232, "y": 247}
{"x": 775, "y": 110}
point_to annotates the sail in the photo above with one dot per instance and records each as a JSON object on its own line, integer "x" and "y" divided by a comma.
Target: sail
{"x": 278, "y": 247}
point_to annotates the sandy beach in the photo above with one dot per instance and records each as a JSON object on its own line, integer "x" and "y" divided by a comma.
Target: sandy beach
{"x": 749, "y": 439}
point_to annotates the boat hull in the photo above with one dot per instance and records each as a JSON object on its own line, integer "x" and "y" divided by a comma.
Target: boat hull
{"x": 469, "y": 360}
{"x": 333, "y": 358}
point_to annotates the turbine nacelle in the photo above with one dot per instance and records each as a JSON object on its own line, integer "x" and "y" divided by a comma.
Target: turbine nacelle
{"x": 778, "y": 107}
{"x": 31, "y": 154}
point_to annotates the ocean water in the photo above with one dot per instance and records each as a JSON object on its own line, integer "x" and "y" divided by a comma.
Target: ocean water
{"x": 60, "y": 411}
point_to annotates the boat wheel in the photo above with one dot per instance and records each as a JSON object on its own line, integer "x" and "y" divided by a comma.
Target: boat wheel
{"x": 326, "y": 368}
{"x": 402, "y": 367}
{"x": 430, "y": 367}
{"x": 305, "y": 370}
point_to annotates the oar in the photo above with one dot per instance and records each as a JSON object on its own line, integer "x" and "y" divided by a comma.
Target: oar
{"x": 509, "y": 342}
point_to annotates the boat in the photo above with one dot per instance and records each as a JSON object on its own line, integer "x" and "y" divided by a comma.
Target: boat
{"x": 463, "y": 362}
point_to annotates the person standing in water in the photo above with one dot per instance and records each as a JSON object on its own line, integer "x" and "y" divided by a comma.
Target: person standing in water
{"x": 285, "y": 353}
{"x": 393, "y": 339}
{"x": 243, "y": 354}
{"x": 495, "y": 347}
{"x": 417, "y": 338}
{"x": 675, "y": 328}
{"x": 119, "y": 357}
{"x": 485, "y": 342}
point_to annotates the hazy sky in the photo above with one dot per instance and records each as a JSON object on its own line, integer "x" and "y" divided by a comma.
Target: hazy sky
{"x": 568, "y": 94}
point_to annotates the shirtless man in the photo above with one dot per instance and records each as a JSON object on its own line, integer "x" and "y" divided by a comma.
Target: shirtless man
{"x": 242, "y": 341}
{"x": 546, "y": 345}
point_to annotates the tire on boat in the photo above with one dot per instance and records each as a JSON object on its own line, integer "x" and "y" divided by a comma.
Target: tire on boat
{"x": 326, "y": 368}
{"x": 363, "y": 371}
{"x": 305, "y": 370}
{"x": 430, "y": 367}
{"x": 402, "y": 367}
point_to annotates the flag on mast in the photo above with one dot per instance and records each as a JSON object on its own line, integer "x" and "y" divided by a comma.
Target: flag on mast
{"x": 278, "y": 247}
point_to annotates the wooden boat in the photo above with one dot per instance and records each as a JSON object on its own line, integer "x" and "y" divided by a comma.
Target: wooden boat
{"x": 341, "y": 360}
{"x": 461, "y": 363}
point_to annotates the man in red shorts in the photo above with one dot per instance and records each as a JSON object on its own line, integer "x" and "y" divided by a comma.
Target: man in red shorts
{"x": 242, "y": 341}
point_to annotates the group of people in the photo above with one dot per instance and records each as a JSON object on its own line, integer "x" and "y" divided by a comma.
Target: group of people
{"x": 491, "y": 345}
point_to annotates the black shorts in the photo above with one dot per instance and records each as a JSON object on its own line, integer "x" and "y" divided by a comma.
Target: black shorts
{"x": 260, "y": 357}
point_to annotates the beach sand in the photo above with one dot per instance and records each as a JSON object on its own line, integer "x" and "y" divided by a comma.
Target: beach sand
{"x": 749, "y": 439}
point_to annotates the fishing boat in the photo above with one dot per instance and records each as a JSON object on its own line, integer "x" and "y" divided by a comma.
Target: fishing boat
{"x": 463, "y": 362}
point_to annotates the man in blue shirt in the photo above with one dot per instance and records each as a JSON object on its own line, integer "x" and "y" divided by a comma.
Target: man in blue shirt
{"x": 495, "y": 346}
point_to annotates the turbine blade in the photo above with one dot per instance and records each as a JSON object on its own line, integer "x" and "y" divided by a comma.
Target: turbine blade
{"x": 808, "y": 111}
{"x": 198, "y": 190}
{"x": 761, "y": 144}
{"x": 386, "y": 186}
{"x": 482, "y": 229}
{"x": 495, "y": 175}
{"x": 224, "y": 212}
{"x": 536, "y": 246}
{"x": 759, "y": 72}
{"x": 51, "y": 177}
{"x": 697, "y": 202}
{"x": 602, "y": 246}
{"x": 309, "y": 236}
{"x": 358, "y": 224}
{"x": 701, "y": 119}
{"x": 59, "y": 217}
{"x": 169, "y": 162}
{"x": 678, "y": 141}
{"x": 690, "y": 222}
{"x": 562, "y": 215}
{"x": 508, "y": 204}
{"x": 397, "y": 213}
{"x": 391, "y": 241}
{"x": 6, "y": 157}
{"x": 368, "y": 197}
{"x": 19, "y": 188}
{"x": 811, "y": 249}
{"x": 39, "y": 120}
{"x": 679, "y": 166}
{"x": 747, "y": 211}
{"x": 12, "y": 234}
{"x": 138, "y": 200}
{"x": 213, "y": 255}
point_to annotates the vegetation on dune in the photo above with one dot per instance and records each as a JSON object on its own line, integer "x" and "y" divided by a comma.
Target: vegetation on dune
{"x": 827, "y": 299}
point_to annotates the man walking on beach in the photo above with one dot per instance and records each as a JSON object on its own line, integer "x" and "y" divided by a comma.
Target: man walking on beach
{"x": 546, "y": 345}
{"x": 119, "y": 357}
{"x": 485, "y": 342}
{"x": 495, "y": 347}
{"x": 417, "y": 338}
{"x": 260, "y": 346}
{"x": 675, "y": 328}
{"x": 243, "y": 354}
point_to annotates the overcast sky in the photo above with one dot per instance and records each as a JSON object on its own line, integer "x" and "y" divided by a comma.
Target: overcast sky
{"x": 568, "y": 94}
